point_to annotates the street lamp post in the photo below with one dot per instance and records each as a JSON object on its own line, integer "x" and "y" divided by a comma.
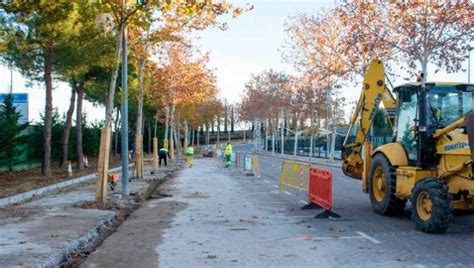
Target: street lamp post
{"x": 124, "y": 128}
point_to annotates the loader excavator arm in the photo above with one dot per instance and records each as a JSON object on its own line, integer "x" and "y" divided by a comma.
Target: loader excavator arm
{"x": 373, "y": 92}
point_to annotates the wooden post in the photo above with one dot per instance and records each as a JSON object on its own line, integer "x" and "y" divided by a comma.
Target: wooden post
{"x": 155, "y": 155}
{"x": 139, "y": 156}
{"x": 103, "y": 166}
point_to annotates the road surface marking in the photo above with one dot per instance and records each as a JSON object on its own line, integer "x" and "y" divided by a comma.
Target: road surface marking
{"x": 304, "y": 202}
{"x": 275, "y": 186}
{"x": 266, "y": 181}
{"x": 274, "y": 202}
{"x": 288, "y": 193}
{"x": 316, "y": 238}
{"x": 272, "y": 192}
{"x": 366, "y": 236}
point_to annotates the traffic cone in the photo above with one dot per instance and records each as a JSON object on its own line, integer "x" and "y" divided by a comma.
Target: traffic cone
{"x": 69, "y": 169}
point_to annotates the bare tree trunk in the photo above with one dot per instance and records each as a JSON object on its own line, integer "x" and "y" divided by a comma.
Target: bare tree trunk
{"x": 177, "y": 141}
{"x": 178, "y": 135}
{"x": 218, "y": 131}
{"x": 232, "y": 122}
{"x": 273, "y": 142}
{"x": 171, "y": 143}
{"x": 255, "y": 137}
{"x": 193, "y": 135}
{"x": 139, "y": 126}
{"x": 149, "y": 137}
{"x": 116, "y": 130}
{"x": 172, "y": 128}
{"x": 67, "y": 127}
{"x": 333, "y": 125}
{"x": 266, "y": 134}
{"x": 226, "y": 115}
{"x": 167, "y": 122}
{"x": 80, "y": 155}
{"x": 198, "y": 137}
{"x": 48, "y": 115}
{"x": 109, "y": 108}
{"x": 141, "y": 66}
{"x": 186, "y": 134}
{"x": 282, "y": 133}
{"x": 156, "y": 125}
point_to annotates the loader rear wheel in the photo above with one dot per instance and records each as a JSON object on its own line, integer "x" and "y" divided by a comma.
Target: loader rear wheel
{"x": 432, "y": 209}
{"x": 382, "y": 179}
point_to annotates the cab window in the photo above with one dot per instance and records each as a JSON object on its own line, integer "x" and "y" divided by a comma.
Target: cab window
{"x": 407, "y": 112}
{"x": 447, "y": 104}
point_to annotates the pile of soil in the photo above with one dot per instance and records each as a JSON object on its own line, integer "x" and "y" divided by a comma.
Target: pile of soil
{"x": 16, "y": 182}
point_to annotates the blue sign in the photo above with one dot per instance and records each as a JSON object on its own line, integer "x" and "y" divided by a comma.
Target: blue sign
{"x": 20, "y": 101}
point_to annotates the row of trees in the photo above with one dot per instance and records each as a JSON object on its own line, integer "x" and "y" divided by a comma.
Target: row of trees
{"x": 21, "y": 143}
{"x": 80, "y": 42}
{"x": 331, "y": 49}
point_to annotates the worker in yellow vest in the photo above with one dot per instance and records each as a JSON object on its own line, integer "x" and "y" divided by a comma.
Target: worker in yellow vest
{"x": 189, "y": 156}
{"x": 228, "y": 155}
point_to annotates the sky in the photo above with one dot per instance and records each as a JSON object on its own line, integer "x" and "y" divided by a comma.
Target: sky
{"x": 251, "y": 44}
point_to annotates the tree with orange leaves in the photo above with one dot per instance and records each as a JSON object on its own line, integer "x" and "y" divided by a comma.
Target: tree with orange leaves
{"x": 186, "y": 82}
{"x": 266, "y": 99}
{"x": 421, "y": 32}
{"x": 316, "y": 48}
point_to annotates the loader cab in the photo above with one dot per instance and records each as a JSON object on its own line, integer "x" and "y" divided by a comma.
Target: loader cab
{"x": 444, "y": 104}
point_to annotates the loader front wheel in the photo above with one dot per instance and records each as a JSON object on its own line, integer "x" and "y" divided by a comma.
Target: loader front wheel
{"x": 382, "y": 179}
{"x": 432, "y": 208}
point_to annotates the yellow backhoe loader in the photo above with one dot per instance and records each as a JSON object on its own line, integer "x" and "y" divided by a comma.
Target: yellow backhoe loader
{"x": 429, "y": 160}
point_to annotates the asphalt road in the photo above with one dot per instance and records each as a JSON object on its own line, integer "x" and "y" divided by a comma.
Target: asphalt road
{"x": 389, "y": 238}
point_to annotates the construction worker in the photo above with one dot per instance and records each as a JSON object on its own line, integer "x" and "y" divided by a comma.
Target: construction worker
{"x": 228, "y": 155}
{"x": 163, "y": 154}
{"x": 189, "y": 155}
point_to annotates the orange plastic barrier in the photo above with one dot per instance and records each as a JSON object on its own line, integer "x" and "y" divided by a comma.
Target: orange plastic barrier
{"x": 320, "y": 187}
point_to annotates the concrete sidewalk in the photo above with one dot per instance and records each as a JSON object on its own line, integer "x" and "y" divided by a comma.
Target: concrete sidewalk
{"x": 47, "y": 230}
{"x": 209, "y": 216}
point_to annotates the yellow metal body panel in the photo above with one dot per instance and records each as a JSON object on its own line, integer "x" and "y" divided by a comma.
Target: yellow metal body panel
{"x": 407, "y": 177}
{"x": 367, "y": 162}
{"x": 394, "y": 152}
{"x": 456, "y": 143}
{"x": 455, "y": 164}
